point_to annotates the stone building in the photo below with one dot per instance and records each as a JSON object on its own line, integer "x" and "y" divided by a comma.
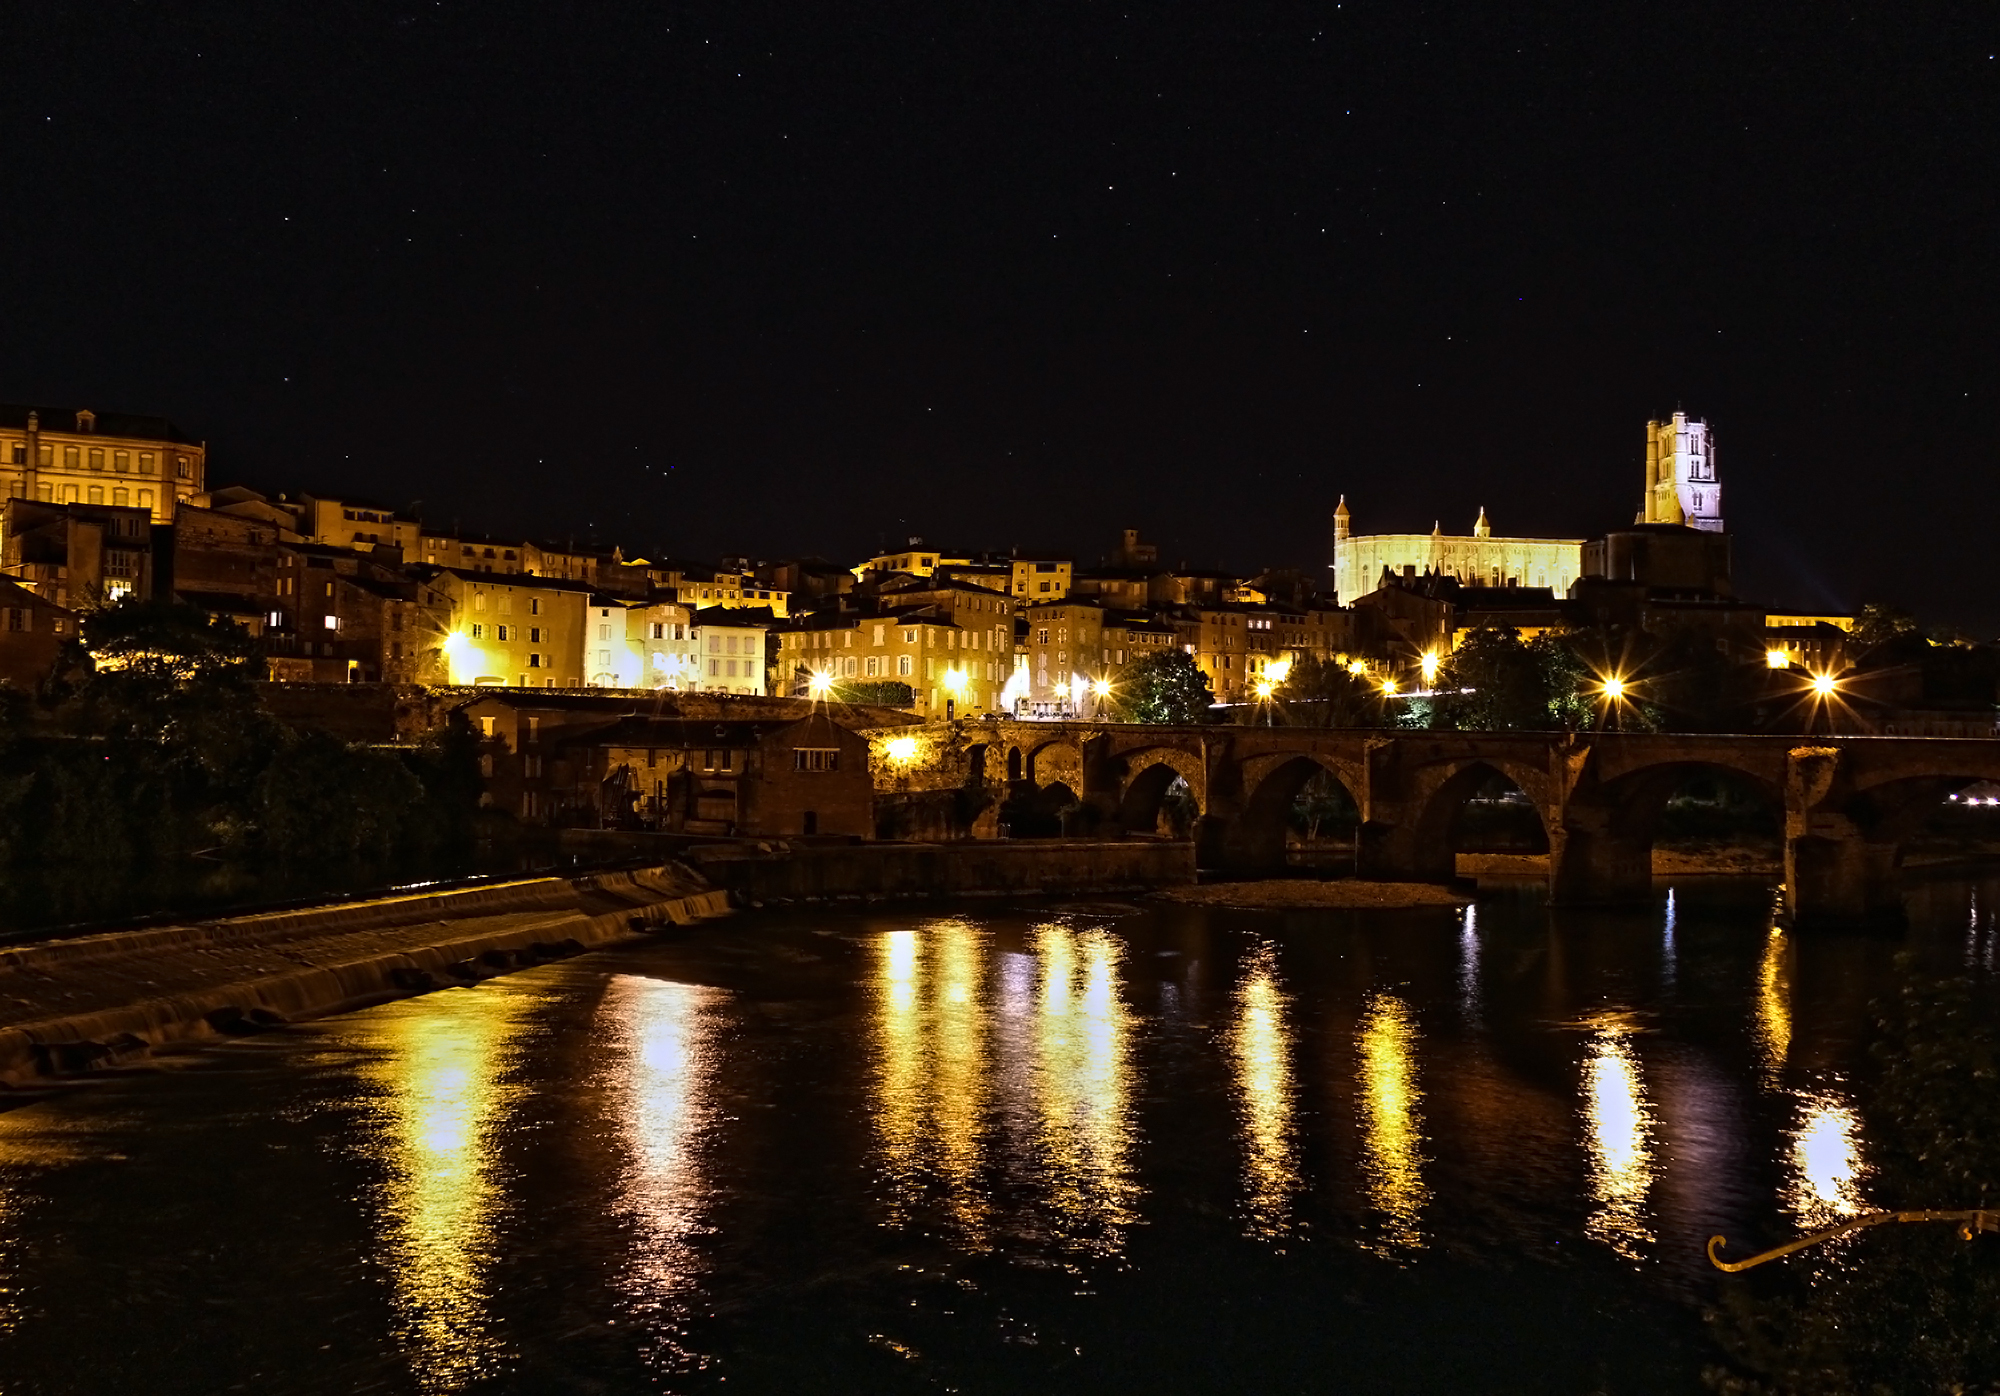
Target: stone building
{"x": 76, "y": 456}
{"x": 78, "y": 555}
{"x": 1476, "y": 559}
{"x": 731, "y": 650}
{"x": 511, "y": 629}
{"x": 33, "y": 631}
{"x": 1681, "y": 483}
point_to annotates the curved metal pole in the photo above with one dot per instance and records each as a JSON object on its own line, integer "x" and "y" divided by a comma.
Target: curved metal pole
{"x": 1975, "y": 1220}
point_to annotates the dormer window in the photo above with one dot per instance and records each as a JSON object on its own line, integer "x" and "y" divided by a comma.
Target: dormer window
{"x": 86, "y": 420}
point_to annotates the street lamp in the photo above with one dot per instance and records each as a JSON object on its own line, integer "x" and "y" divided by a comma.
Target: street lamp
{"x": 1430, "y": 664}
{"x": 1102, "y": 689}
{"x": 954, "y": 684}
{"x": 1612, "y": 689}
{"x": 819, "y": 683}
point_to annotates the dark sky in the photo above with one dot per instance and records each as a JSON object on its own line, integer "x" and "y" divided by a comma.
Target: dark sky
{"x": 781, "y": 278}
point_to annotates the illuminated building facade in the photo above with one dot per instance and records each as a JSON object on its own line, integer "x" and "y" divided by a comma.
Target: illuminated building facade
{"x": 1681, "y": 483}
{"x": 76, "y": 456}
{"x": 1477, "y": 559}
{"x": 512, "y": 630}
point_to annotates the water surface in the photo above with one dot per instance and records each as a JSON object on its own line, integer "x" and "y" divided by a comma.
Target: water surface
{"x": 1092, "y": 1148}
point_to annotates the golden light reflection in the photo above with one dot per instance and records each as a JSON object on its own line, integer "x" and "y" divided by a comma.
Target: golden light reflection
{"x": 661, "y": 1040}
{"x": 1083, "y": 1087}
{"x": 32, "y": 1140}
{"x": 1619, "y": 1127}
{"x": 1824, "y": 1179}
{"x": 1261, "y": 1044}
{"x": 1392, "y": 1121}
{"x": 1774, "y": 1005}
{"x": 440, "y": 1077}
{"x": 931, "y": 1073}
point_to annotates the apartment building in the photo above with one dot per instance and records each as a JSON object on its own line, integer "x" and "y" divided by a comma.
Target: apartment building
{"x": 77, "y": 456}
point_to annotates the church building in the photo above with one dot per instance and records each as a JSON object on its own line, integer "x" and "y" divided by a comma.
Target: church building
{"x": 1681, "y": 488}
{"x": 1477, "y": 559}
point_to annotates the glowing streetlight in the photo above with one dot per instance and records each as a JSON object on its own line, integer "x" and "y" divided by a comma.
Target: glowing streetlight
{"x": 1102, "y": 688}
{"x": 1777, "y": 659}
{"x": 1357, "y": 667}
{"x": 1388, "y": 688}
{"x": 1263, "y": 688}
{"x": 1614, "y": 688}
{"x": 1825, "y": 685}
{"x": 1431, "y": 661}
{"x": 902, "y": 750}
{"x": 819, "y": 683}
{"x": 1278, "y": 670}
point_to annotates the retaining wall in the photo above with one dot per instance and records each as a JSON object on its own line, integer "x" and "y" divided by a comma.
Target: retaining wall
{"x": 981, "y": 867}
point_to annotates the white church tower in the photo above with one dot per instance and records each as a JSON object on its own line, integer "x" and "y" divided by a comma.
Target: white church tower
{"x": 1681, "y": 485}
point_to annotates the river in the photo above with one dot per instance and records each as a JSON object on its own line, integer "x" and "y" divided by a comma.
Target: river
{"x": 1092, "y": 1148}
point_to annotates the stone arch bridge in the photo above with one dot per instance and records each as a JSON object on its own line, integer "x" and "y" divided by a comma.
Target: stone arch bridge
{"x": 1848, "y": 804}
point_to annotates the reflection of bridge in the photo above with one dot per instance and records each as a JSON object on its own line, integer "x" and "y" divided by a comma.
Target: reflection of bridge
{"x": 1848, "y": 803}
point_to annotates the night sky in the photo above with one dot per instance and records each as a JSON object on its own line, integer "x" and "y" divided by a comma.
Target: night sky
{"x": 812, "y": 277}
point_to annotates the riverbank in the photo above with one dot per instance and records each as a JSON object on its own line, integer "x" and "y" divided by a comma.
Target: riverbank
{"x": 1297, "y": 894}
{"x": 93, "y": 1001}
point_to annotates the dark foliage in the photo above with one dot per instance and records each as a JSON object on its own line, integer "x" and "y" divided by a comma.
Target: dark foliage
{"x": 1901, "y": 1308}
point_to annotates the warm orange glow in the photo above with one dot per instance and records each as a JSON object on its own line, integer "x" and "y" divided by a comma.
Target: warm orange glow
{"x": 1263, "y": 688}
{"x": 1614, "y": 688}
{"x": 1778, "y": 659}
{"x": 1431, "y": 662}
{"x": 1102, "y": 688}
{"x": 902, "y": 750}
{"x": 1389, "y": 687}
{"x": 1825, "y": 685}
{"x": 819, "y": 684}
{"x": 954, "y": 681}
{"x": 1357, "y": 667}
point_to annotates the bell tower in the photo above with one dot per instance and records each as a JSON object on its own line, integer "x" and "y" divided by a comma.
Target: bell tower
{"x": 1681, "y": 482}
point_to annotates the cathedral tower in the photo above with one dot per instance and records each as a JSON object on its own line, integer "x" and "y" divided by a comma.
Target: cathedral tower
{"x": 1681, "y": 484}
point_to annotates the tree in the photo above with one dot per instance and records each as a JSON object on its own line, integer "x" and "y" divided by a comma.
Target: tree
{"x": 881, "y": 693}
{"x": 1167, "y": 687}
{"x": 1322, "y": 693}
{"x": 1493, "y": 683}
{"x": 1878, "y": 624}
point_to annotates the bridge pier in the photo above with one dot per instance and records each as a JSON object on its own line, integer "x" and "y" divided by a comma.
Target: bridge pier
{"x": 1592, "y": 863}
{"x": 1835, "y": 878}
{"x": 1387, "y": 852}
{"x": 1835, "y": 874}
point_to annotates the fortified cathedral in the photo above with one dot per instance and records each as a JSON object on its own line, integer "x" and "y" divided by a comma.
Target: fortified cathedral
{"x": 1681, "y": 488}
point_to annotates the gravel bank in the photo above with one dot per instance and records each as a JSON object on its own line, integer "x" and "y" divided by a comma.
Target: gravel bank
{"x": 1285, "y": 894}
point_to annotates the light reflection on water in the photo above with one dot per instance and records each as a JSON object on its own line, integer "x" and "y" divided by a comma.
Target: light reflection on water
{"x": 1618, "y": 1129}
{"x": 1021, "y": 1088}
{"x": 438, "y": 1065}
{"x": 1774, "y": 1005}
{"x": 661, "y": 1037}
{"x": 1392, "y": 1123}
{"x": 1261, "y": 1045}
{"x": 1825, "y": 1167}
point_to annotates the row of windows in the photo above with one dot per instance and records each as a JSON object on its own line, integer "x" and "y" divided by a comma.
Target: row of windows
{"x": 506, "y": 605}
{"x": 121, "y": 497}
{"x": 77, "y": 458}
{"x": 512, "y": 632}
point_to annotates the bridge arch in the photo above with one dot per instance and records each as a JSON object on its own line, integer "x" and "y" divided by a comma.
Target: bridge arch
{"x": 1058, "y": 761}
{"x": 1440, "y": 824}
{"x": 1153, "y": 772}
{"x": 1272, "y": 785}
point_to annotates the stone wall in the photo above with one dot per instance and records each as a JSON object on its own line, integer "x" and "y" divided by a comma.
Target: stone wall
{"x": 887, "y": 871}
